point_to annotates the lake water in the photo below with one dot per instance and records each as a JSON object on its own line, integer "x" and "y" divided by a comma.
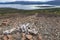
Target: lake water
{"x": 28, "y": 7}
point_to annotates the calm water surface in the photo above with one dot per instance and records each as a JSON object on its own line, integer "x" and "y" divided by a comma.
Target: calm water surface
{"x": 27, "y": 7}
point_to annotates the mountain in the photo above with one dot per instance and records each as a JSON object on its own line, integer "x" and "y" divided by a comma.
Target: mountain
{"x": 22, "y": 2}
{"x": 29, "y": 2}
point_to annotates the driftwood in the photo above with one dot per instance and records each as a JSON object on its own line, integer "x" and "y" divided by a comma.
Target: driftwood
{"x": 24, "y": 28}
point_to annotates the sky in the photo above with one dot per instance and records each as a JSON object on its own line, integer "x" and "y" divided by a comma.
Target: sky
{"x": 25, "y": 0}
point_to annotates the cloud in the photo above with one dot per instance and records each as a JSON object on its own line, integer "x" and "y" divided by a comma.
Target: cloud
{"x": 7, "y": 0}
{"x": 37, "y": 0}
{"x": 25, "y": 0}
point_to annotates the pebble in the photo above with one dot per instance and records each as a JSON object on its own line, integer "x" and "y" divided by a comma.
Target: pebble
{"x": 30, "y": 37}
{"x": 23, "y": 36}
{"x": 5, "y": 37}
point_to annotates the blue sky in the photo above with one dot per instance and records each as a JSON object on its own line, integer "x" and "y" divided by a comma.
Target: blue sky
{"x": 25, "y": 0}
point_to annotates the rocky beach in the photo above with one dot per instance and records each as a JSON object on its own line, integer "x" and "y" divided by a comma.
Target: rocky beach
{"x": 36, "y": 27}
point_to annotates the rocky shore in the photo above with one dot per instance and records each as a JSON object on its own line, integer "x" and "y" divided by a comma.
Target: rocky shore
{"x": 48, "y": 27}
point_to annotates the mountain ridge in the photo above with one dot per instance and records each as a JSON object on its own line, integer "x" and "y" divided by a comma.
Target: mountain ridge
{"x": 29, "y": 2}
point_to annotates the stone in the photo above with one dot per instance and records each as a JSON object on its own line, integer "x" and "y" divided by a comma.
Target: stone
{"x": 1, "y": 36}
{"x": 39, "y": 37}
{"x": 9, "y": 36}
{"x": 5, "y": 22}
{"x": 23, "y": 36}
{"x": 30, "y": 37}
{"x": 5, "y": 37}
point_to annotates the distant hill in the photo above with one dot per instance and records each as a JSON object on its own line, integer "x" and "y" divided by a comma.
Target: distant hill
{"x": 29, "y": 2}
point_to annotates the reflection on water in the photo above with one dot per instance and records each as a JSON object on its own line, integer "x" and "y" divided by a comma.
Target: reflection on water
{"x": 27, "y": 7}
{"x": 18, "y": 6}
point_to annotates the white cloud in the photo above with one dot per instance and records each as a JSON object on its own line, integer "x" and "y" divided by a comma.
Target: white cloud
{"x": 7, "y": 0}
{"x": 25, "y": 0}
{"x": 37, "y": 0}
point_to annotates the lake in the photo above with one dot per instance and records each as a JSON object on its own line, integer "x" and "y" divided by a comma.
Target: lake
{"x": 28, "y": 7}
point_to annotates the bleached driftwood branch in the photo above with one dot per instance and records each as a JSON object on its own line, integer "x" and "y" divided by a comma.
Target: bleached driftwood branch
{"x": 24, "y": 28}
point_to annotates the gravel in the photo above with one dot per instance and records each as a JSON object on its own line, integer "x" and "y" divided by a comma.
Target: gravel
{"x": 48, "y": 27}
